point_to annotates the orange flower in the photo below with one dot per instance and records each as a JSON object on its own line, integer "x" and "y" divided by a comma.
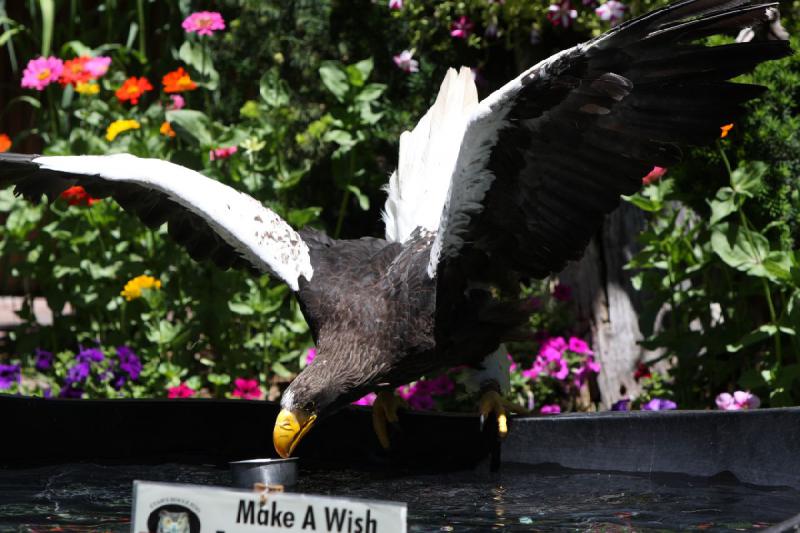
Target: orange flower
{"x": 166, "y": 129}
{"x": 725, "y": 129}
{"x": 178, "y": 81}
{"x": 75, "y": 72}
{"x": 132, "y": 89}
{"x": 77, "y": 195}
{"x": 5, "y": 143}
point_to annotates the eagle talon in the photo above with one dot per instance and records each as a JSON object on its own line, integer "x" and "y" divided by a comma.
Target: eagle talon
{"x": 492, "y": 402}
{"x": 384, "y": 415}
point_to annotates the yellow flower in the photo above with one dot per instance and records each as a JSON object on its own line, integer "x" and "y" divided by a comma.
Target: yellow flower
{"x": 118, "y": 126}
{"x": 133, "y": 289}
{"x": 87, "y": 88}
{"x": 166, "y": 129}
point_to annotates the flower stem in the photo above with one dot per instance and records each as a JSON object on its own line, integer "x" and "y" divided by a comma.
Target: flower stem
{"x": 142, "y": 36}
{"x": 342, "y": 211}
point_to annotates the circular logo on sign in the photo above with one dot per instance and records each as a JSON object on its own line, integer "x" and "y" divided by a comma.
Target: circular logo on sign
{"x": 173, "y": 518}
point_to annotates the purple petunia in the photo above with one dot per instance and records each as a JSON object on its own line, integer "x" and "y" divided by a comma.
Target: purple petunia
{"x": 71, "y": 391}
{"x": 622, "y": 405}
{"x": 129, "y": 362}
{"x": 77, "y": 373}
{"x": 9, "y": 375}
{"x": 44, "y": 360}
{"x": 659, "y": 404}
{"x": 90, "y": 355}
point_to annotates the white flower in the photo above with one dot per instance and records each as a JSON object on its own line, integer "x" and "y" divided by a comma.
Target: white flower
{"x": 612, "y": 11}
{"x": 405, "y": 62}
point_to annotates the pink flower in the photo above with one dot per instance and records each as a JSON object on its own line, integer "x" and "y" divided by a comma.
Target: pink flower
{"x": 247, "y": 389}
{"x": 395, "y": 4}
{"x": 534, "y": 371}
{"x": 589, "y": 365}
{"x": 405, "y": 62}
{"x": 222, "y": 153}
{"x": 746, "y": 400}
{"x": 654, "y": 175}
{"x": 558, "y": 369}
{"x": 579, "y": 346}
{"x": 513, "y": 366}
{"x": 97, "y": 66}
{"x": 612, "y": 11}
{"x": 177, "y": 102}
{"x": 552, "y": 409}
{"x": 181, "y": 391}
{"x": 461, "y": 28}
{"x": 659, "y": 404}
{"x": 737, "y": 401}
{"x": 562, "y": 293}
{"x": 369, "y": 399}
{"x": 561, "y": 14}
{"x": 441, "y": 386}
{"x": 204, "y": 23}
{"x": 311, "y": 354}
{"x": 41, "y": 72}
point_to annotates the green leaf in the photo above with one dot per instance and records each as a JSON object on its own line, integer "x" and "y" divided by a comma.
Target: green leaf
{"x": 193, "y": 56}
{"x": 298, "y": 218}
{"x": 643, "y": 203}
{"x": 335, "y": 79}
{"x": 8, "y": 34}
{"x": 281, "y": 370}
{"x": 358, "y": 73}
{"x": 747, "y": 180}
{"x": 240, "y": 308}
{"x": 722, "y": 205}
{"x": 48, "y": 10}
{"x": 273, "y": 89}
{"x": 759, "y": 334}
{"x": 741, "y": 249}
{"x": 371, "y": 92}
{"x": 363, "y": 199}
{"x": 191, "y": 125}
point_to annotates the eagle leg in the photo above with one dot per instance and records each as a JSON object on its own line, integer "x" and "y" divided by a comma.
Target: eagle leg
{"x": 492, "y": 402}
{"x": 384, "y": 412}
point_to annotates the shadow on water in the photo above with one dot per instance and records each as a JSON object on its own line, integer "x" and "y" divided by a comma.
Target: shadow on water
{"x": 91, "y": 497}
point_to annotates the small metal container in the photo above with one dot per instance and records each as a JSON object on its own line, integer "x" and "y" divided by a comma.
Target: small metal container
{"x": 267, "y": 471}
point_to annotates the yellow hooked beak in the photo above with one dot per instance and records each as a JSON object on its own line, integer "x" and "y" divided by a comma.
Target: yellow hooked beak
{"x": 290, "y": 427}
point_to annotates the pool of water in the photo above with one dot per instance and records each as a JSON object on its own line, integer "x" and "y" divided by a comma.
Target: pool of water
{"x": 85, "y": 497}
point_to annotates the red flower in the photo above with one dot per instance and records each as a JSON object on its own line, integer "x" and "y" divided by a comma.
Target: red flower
{"x": 656, "y": 174}
{"x": 5, "y": 142}
{"x": 181, "y": 391}
{"x": 178, "y": 81}
{"x": 642, "y": 371}
{"x": 77, "y": 195}
{"x": 132, "y": 89}
{"x": 75, "y": 72}
{"x": 247, "y": 389}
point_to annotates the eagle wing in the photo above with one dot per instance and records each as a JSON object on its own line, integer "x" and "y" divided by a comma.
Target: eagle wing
{"x": 208, "y": 218}
{"x": 546, "y": 156}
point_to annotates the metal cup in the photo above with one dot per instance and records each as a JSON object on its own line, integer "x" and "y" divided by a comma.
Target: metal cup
{"x": 245, "y": 474}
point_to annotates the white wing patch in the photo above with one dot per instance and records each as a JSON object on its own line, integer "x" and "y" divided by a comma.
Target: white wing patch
{"x": 257, "y": 233}
{"x": 418, "y": 188}
{"x": 470, "y": 178}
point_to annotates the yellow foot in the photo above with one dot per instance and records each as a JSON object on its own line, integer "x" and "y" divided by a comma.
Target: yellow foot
{"x": 492, "y": 402}
{"x": 384, "y": 412}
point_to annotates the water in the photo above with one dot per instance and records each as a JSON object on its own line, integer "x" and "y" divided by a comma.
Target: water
{"x": 83, "y": 497}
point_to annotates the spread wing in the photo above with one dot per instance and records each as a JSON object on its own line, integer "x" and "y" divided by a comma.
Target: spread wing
{"x": 210, "y": 219}
{"x": 546, "y": 156}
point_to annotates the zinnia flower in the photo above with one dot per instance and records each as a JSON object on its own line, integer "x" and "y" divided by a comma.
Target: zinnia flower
{"x": 9, "y": 375}
{"x": 77, "y": 195}
{"x": 166, "y": 129}
{"x": 203, "y": 23}
{"x": 44, "y": 360}
{"x": 405, "y": 62}
{"x": 74, "y": 71}
{"x": 181, "y": 391}
{"x": 133, "y": 289}
{"x": 612, "y": 11}
{"x": 561, "y": 14}
{"x": 87, "y": 88}
{"x": 5, "y": 143}
{"x": 177, "y": 102}
{"x": 461, "y": 28}
{"x": 97, "y": 66}
{"x": 659, "y": 404}
{"x": 41, "y": 72}
{"x": 395, "y": 4}
{"x": 654, "y": 175}
{"x": 724, "y": 130}
{"x": 552, "y": 409}
{"x": 247, "y": 389}
{"x": 178, "y": 81}
{"x": 118, "y": 126}
{"x": 222, "y": 153}
{"x": 133, "y": 89}
{"x": 642, "y": 371}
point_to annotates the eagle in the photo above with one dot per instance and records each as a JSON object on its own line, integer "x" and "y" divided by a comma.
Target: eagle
{"x": 487, "y": 193}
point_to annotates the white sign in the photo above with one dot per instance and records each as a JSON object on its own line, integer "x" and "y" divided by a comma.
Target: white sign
{"x": 177, "y": 508}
